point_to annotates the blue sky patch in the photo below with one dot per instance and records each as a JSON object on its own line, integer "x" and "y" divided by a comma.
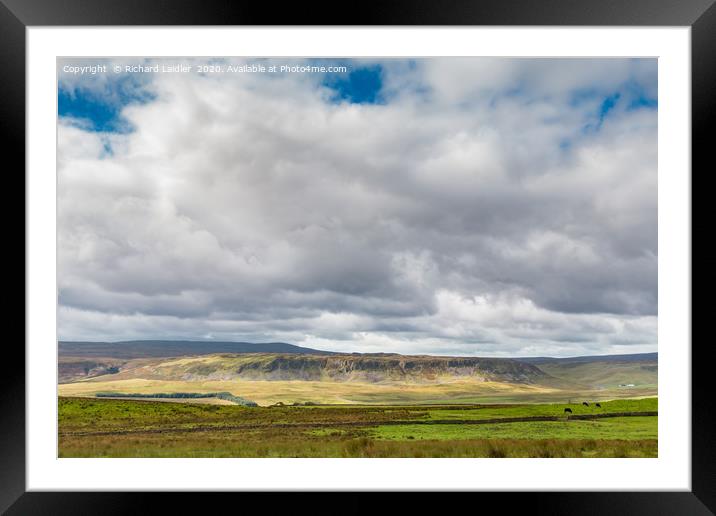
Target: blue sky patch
{"x": 360, "y": 86}
{"x": 100, "y": 115}
{"x": 607, "y": 105}
{"x": 638, "y": 97}
{"x": 630, "y": 96}
{"x": 565, "y": 144}
{"x": 642, "y": 102}
{"x": 102, "y": 110}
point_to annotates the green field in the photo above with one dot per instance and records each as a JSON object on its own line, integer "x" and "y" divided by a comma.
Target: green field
{"x": 627, "y": 428}
{"x": 138, "y": 428}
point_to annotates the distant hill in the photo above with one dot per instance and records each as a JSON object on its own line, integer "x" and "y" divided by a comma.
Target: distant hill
{"x": 344, "y": 368}
{"x": 210, "y": 360}
{"x": 603, "y": 371}
{"x": 636, "y": 357}
{"x": 174, "y": 348}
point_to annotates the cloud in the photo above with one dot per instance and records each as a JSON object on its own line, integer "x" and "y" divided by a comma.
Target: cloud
{"x": 485, "y": 206}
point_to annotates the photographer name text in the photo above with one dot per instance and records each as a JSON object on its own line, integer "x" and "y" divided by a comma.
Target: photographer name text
{"x": 200, "y": 69}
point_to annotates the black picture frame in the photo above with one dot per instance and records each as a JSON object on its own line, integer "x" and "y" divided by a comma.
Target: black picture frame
{"x": 700, "y": 15}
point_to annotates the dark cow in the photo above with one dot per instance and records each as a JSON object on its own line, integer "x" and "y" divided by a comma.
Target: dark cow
{"x": 585, "y": 403}
{"x": 568, "y": 410}
{"x": 598, "y": 405}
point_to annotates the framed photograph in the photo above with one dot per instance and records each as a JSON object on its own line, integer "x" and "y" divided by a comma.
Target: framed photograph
{"x": 429, "y": 248}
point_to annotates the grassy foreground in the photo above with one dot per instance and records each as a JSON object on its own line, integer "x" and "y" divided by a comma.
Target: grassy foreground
{"x": 138, "y": 428}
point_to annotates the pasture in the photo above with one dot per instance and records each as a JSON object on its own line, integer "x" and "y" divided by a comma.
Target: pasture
{"x": 142, "y": 428}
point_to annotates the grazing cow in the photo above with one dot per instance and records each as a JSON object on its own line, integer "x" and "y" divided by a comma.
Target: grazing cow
{"x": 585, "y": 403}
{"x": 598, "y": 405}
{"x": 568, "y": 410}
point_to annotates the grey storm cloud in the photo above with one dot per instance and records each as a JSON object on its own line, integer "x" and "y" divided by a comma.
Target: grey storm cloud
{"x": 488, "y": 206}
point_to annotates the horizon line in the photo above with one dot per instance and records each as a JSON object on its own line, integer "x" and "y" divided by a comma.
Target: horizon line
{"x": 345, "y": 352}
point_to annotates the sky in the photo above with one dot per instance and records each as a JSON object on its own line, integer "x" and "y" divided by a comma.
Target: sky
{"x": 445, "y": 206}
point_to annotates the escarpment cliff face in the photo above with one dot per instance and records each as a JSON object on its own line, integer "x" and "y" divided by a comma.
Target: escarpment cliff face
{"x": 275, "y": 361}
{"x": 71, "y": 369}
{"x": 359, "y": 368}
